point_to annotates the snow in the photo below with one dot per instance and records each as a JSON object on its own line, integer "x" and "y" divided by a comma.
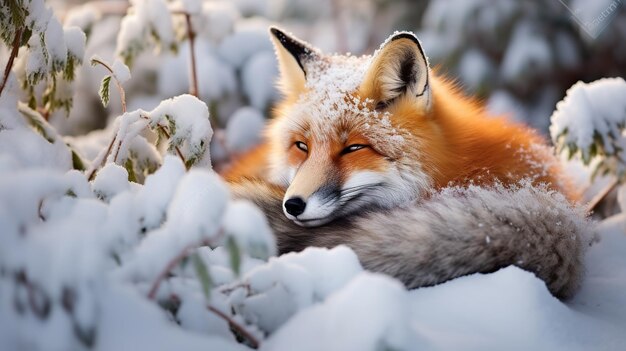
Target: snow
{"x": 75, "y": 40}
{"x": 158, "y": 190}
{"x": 198, "y": 205}
{"x": 55, "y": 45}
{"x": 30, "y": 150}
{"x": 527, "y": 54}
{"x": 248, "y": 225}
{"x": 369, "y": 313}
{"x": 111, "y": 180}
{"x": 148, "y": 21}
{"x": 591, "y": 115}
{"x": 258, "y": 79}
{"x": 220, "y": 18}
{"x": 242, "y": 44}
{"x": 120, "y": 71}
{"x": 244, "y": 129}
{"x": 83, "y": 16}
{"x": 216, "y": 78}
{"x": 293, "y": 282}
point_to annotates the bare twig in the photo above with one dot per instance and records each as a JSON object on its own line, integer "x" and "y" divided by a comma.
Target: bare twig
{"x": 15, "y": 48}
{"x": 254, "y": 342}
{"x": 93, "y": 169}
{"x": 194, "y": 73}
{"x": 193, "y": 79}
{"x": 92, "y": 172}
{"x": 186, "y": 251}
{"x": 593, "y": 204}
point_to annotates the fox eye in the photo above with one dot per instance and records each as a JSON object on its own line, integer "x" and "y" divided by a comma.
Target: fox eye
{"x": 352, "y": 148}
{"x": 302, "y": 146}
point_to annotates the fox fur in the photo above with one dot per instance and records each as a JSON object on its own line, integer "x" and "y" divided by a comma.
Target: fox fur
{"x": 380, "y": 154}
{"x": 456, "y": 232}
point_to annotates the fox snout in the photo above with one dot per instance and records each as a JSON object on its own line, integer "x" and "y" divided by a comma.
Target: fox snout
{"x": 311, "y": 208}
{"x": 295, "y": 206}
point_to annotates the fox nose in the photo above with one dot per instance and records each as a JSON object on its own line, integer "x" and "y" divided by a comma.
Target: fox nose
{"x": 295, "y": 206}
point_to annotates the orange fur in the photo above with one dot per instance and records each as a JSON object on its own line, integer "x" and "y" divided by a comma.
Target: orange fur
{"x": 450, "y": 136}
{"x": 459, "y": 144}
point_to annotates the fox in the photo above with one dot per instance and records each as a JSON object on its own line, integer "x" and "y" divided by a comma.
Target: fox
{"x": 382, "y": 154}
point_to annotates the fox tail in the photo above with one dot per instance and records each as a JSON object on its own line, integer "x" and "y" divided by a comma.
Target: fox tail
{"x": 455, "y": 232}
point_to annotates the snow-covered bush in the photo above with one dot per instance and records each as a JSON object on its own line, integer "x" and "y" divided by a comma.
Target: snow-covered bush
{"x": 589, "y": 122}
{"x": 53, "y": 52}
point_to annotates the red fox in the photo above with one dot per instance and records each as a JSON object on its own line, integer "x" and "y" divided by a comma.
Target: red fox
{"x": 360, "y": 149}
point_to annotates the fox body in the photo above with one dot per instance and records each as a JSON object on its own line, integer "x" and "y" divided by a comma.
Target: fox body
{"x": 356, "y": 132}
{"x": 364, "y": 146}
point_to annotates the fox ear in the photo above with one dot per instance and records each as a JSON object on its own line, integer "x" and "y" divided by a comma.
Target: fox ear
{"x": 398, "y": 69}
{"x": 292, "y": 54}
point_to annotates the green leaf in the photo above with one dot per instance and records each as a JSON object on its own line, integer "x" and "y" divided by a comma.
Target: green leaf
{"x": 235, "y": 254}
{"x": 130, "y": 168}
{"x": 77, "y": 162}
{"x": 104, "y": 90}
{"x": 190, "y": 162}
{"x": 203, "y": 274}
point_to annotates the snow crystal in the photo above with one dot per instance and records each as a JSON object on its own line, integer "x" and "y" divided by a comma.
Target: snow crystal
{"x": 244, "y": 129}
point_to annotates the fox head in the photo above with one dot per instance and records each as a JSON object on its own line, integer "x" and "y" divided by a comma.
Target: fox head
{"x": 343, "y": 139}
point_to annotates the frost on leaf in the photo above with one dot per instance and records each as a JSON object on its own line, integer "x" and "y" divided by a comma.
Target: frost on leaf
{"x": 148, "y": 23}
{"x": 104, "y": 90}
{"x": 53, "y": 52}
{"x": 589, "y": 123}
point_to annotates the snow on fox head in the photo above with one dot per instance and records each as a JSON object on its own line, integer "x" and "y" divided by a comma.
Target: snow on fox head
{"x": 343, "y": 138}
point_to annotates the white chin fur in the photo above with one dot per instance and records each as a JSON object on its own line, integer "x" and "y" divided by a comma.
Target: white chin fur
{"x": 315, "y": 213}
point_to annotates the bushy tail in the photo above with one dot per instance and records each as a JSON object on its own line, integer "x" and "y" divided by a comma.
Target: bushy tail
{"x": 455, "y": 232}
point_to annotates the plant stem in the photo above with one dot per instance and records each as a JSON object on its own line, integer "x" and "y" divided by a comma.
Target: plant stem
{"x": 167, "y": 135}
{"x": 117, "y": 82}
{"x": 193, "y": 89}
{"x": 593, "y": 204}
{"x": 186, "y": 251}
{"x": 193, "y": 79}
{"x": 254, "y": 343}
{"x": 122, "y": 93}
{"x": 15, "y": 48}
